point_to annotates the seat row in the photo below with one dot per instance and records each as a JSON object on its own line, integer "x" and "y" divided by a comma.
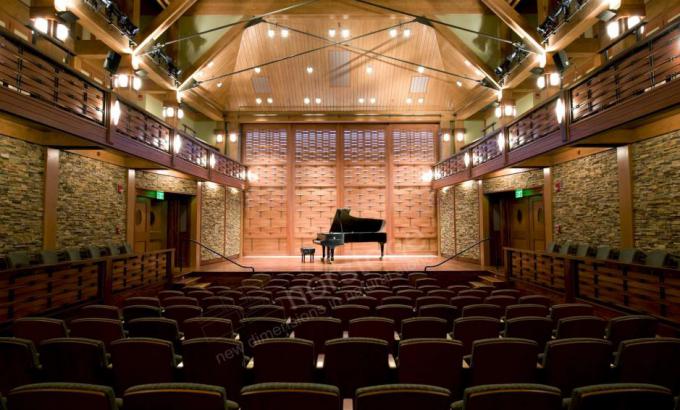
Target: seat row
{"x": 307, "y": 396}
{"x": 22, "y": 259}
{"x": 348, "y": 363}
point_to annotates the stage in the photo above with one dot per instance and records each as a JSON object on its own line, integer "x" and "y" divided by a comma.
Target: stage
{"x": 355, "y": 263}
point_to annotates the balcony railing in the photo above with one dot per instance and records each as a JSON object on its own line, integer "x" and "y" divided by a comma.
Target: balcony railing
{"x": 43, "y": 90}
{"x": 634, "y": 84}
{"x": 26, "y": 72}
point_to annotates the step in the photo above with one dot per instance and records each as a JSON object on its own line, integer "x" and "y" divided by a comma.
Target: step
{"x": 492, "y": 280}
{"x": 476, "y": 284}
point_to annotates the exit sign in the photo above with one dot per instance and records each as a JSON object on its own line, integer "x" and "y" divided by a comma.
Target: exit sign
{"x": 521, "y": 193}
{"x": 160, "y": 195}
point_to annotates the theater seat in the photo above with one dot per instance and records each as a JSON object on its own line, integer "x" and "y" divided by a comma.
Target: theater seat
{"x": 402, "y": 397}
{"x": 142, "y": 361}
{"x": 266, "y": 311}
{"x": 179, "y": 300}
{"x": 430, "y": 300}
{"x": 469, "y": 329}
{"x": 396, "y": 300}
{"x": 374, "y": 327}
{"x": 436, "y": 362}
{"x": 571, "y": 363}
{"x": 198, "y": 327}
{"x": 538, "y": 329}
{"x": 536, "y": 299}
{"x": 498, "y": 361}
{"x": 526, "y": 309}
{"x": 217, "y": 300}
{"x": 140, "y": 311}
{"x": 177, "y": 396}
{"x": 355, "y": 362}
{"x": 348, "y": 312}
{"x": 445, "y": 293}
{"x": 423, "y": 327}
{"x": 517, "y": 396}
{"x": 19, "y": 363}
{"x": 260, "y": 328}
{"x": 479, "y": 293}
{"x": 318, "y": 330}
{"x": 164, "y": 294}
{"x": 308, "y": 311}
{"x": 100, "y": 311}
{"x": 73, "y": 360}
{"x": 289, "y": 303}
{"x": 501, "y": 300}
{"x": 181, "y": 313}
{"x": 483, "y": 309}
{"x": 37, "y": 329}
{"x": 655, "y": 361}
{"x": 564, "y": 310}
{"x": 284, "y": 360}
{"x": 142, "y": 300}
{"x": 298, "y": 396}
{"x": 630, "y": 327}
{"x": 214, "y": 361}
{"x": 581, "y": 326}
{"x": 104, "y": 330}
{"x": 461, "y": 302}
{"x": 155, "y": 327}
{"x": 71, "y": 396}
{"x": 625, "y": 396}
{"x": 442, "y": 311}
{"x": 396, "y": 312}
{"x": 506, "y": 292}
{"x": 230, "y": 312}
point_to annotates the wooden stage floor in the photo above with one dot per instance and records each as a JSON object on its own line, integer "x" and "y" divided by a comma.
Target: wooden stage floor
{"x": 391, "y": 263}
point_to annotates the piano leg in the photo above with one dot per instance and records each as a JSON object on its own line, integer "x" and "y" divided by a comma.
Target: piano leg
{"x": 323, "y": 252}
{"x": 382, "y": 250}
{"x": 331, "y": 256}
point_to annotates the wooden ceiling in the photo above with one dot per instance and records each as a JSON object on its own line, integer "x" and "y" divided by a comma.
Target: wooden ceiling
{"x": 389, "y": 83}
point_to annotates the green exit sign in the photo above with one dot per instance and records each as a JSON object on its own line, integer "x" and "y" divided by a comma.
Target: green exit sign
{"x": 519, "y": 193}
{"x": 160, "y": 195}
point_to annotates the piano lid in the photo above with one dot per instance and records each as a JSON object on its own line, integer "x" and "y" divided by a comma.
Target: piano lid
{"x": 344, "y": 222}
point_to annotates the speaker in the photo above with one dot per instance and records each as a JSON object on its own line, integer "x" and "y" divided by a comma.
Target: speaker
{"x": 561, "y": 60}
{"x": 112, "y": 62}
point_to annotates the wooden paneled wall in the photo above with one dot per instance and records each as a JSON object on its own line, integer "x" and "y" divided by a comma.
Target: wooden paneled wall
{"x": 301, "y": 173}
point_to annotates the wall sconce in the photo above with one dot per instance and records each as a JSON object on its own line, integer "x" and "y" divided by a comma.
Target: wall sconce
{"x": 212, "y": 160}
{"x": 446, "y": 137}
{"x": 506, "y": 109}
{"x": 427, "y": 176}
{"x": 115, "y": 112}
{"x": 177, "y": 143}
{"x": 613, "y": 29}
{"x": 466, "y": 159}
{"x": 501, "y": 141}
{"x": 552, "y": 79}
{"x": 62, "y": 5}
{"x": 233, "y": 137}
{"x": 172, "y": 112}
{"x": 219, "y": 137}
{"x": 51, "y": 28}
{"x": 560, "y": 110}
{"x": 252, "y": 177}
{"x": 460, "y": 135}
{"x": 127, "y": 80}
{"x": 614, "y": 4}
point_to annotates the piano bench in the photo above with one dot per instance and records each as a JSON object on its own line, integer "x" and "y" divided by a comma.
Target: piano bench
{"x": 307, "y": 251}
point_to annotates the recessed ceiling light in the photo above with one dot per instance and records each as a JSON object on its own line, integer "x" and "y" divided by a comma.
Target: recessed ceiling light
{"x": 361, "y": 100}
{"x": 421, "y": 69}
{"x": 421, "y": 100}
{"x": 310, "y": 69}
{"x": 467, "y": 63}
{"x": 271, "y": 33}
{"x": 284, "y": 33}
{"x": 306, "y": 100}
{"x": 258, "y": 101}
{"x": 270, "y": 100}
{"x": 331, "y": 32}
{"x": 394, "y": 32}
{"x": 409, "y": 100}
{"x": 257, "y": 70}
{"x": 198, "y": 74}
{"x": 219, "y": 85}
{"x": 372, "y": 100}
{"x": 210, "y": 64}
{"x": 369, "y": 69}
{"x": 344, "y": 33}
{"x": 317, "y": 100}
{"x": 459, "y": 83}
{"x": 406, "y": 33}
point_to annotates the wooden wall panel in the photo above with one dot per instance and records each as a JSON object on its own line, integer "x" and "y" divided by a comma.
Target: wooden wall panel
{"x": 304, "y": 172}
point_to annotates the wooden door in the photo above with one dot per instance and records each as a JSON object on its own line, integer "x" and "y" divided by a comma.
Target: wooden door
{"x": 520, "y": 224}
{"x": 141, "y": 232}
{"x": 150, "y": 225}
{"x": 537, "y": 223}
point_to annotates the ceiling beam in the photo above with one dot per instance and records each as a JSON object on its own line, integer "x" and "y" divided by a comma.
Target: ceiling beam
{"x": 581, "y": 21}
{"x": 447, "y": 38}
{"x": 97, "y": 25}
{"x": 162, "y": 22}
{"x": 231, "y": 38}
{"x": 516, "y": 22}
{"x": 483, "y": 97}
{"x": 521, "y": 72}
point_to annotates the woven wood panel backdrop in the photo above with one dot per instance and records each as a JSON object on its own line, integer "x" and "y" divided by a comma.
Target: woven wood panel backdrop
{"x": 304, "y": 172}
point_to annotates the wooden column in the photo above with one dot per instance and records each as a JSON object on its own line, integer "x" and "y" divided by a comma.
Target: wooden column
{"x": 130, "y": 212}
{"x": 484, "y": 248}
{"x": 389, "y": 188}
{"x": 290, "y": 190}
{"x": 50, "y": 199}
{"x": 623, "y": 160}
{"x": 547, "y": 204}
{"x": 195, "y": 250}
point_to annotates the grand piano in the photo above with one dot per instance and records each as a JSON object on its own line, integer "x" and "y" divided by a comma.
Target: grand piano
{"x": 347, "y": 229}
